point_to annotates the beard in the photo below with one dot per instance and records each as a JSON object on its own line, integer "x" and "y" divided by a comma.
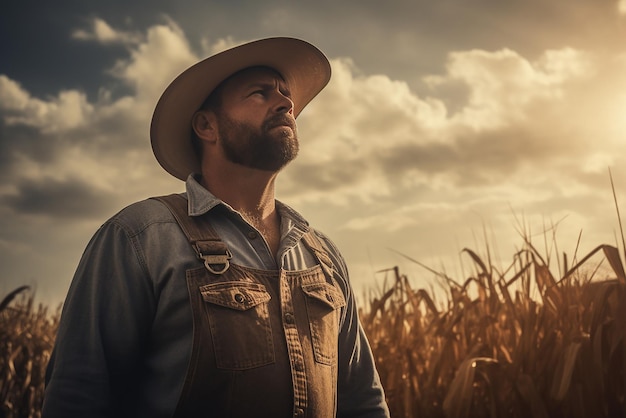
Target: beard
{"x": 268, "y": 148}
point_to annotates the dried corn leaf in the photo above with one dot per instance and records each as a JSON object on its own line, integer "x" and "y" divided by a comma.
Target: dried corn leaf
{"x": 477, "y": 260}
{"x": 563, "y": 377}
{"x": 9, "y": 298}
{"x": 612, "y": 254}
{"x": 458, "y": 400}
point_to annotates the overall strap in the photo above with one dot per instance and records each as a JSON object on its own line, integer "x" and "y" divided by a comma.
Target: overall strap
{"x": 312, "y": 241}
{"x": 201, "y": 235}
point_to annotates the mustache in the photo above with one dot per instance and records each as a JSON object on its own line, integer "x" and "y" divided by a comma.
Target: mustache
{"x": 280, "y": 120}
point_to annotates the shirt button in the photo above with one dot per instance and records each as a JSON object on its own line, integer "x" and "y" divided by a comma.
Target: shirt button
{"x": 298, "y": 365}
{"x": 299, "y": 412}
{"x": 252, "y": 235}
{"x": 239, "y": 298}
{"x": 289, "y": 318}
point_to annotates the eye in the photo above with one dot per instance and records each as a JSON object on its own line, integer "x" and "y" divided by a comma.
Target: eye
{"x": 258, "y": 92}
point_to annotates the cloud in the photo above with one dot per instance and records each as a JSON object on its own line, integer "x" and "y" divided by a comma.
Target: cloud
{"x": 368, "y": 136}
{"x": 220, "y": 45}
{"x": 48, "y": 143}
{"x": 12, "y": 96}
{"x": 69, "y": 110}
{"x": 101, "y": 32}
{"x": 404, "y": 217}
{"x": 154, "y": 63}
{"x": 74, "y": 198}
{"x": 502, "y": 83}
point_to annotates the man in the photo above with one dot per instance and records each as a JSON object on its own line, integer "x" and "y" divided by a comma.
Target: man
{"x": 220, "y": 302}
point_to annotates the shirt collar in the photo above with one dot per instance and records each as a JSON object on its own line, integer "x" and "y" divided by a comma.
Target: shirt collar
{"x": 200, "y": 201}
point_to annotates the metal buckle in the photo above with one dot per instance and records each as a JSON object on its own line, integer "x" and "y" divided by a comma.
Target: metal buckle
{"x": 220, "y": 259}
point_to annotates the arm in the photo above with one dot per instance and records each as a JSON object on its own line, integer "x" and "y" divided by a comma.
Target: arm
{"x": 105, "y": 322}
{"x": 360, "y": 393}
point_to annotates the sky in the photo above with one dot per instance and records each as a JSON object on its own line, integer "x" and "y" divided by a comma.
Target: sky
{"x": 446, "y": 125}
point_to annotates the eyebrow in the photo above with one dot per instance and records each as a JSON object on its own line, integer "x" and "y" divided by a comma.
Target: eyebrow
{"x": 282, "y": 87}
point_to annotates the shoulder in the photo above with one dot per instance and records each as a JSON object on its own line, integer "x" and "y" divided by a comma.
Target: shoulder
{"x": 141, "y": 215}
{"x": 295, "y": 217}
{"x": 327, "y": 242}
{"x": 333, "y": 252}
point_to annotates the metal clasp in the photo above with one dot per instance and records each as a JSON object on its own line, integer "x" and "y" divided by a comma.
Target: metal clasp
{"x": 220, "y": 259}
{"x": 215, "y": 254}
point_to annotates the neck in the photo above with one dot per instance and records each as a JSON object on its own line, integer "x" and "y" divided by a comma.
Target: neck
{"x": 249, "y": 191}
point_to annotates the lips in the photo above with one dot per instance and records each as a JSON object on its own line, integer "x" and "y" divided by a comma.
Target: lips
{"x": 279, "y": 121}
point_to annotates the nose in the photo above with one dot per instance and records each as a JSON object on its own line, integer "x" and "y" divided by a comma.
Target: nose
{"x": 284, "y": 104}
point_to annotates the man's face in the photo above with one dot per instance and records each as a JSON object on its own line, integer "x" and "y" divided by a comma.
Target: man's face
{"x": 256, "y": 125}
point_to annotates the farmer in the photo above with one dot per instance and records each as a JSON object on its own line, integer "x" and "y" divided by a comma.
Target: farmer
{"x": 222, "y": 301}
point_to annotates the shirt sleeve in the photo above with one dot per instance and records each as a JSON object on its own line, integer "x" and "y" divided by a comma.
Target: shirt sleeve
{"x": 104, "y": 326}
{"x": 360, "y": 393}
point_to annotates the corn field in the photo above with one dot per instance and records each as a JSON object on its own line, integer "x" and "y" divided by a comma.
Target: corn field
{"x": 518, "y": 343}
{"x": 26, "y": 338}
{"x": 495, "y": 349}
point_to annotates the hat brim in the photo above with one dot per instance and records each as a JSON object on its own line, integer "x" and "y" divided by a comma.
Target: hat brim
{"x": 304, "y": 67}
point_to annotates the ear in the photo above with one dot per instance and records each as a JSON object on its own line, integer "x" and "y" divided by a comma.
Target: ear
{"x": 204, "y": 124}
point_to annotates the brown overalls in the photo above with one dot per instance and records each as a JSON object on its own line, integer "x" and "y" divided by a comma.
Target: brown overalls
{"x": 264, "y": 342}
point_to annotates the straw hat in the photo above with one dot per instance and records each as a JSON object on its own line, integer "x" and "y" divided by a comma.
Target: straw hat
{"x": 304, "y": 67}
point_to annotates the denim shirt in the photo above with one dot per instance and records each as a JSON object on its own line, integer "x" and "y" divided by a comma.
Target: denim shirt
{"x": 126, "y": 329}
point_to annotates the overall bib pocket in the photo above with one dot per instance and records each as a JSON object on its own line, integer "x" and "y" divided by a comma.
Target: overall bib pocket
{"x": 240, "y": 326}
{"x": 323, "y": 302}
